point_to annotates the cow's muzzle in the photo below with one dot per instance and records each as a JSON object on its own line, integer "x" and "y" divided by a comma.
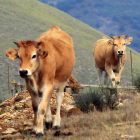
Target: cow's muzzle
{"x": 23, "y": 73}
{"x": 120, "y": 53}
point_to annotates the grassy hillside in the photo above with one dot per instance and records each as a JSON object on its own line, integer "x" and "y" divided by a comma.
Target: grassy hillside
{"x": 27, "y": 19}
{"x": 112, "y": 18}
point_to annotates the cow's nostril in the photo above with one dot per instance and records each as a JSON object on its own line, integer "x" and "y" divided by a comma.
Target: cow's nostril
{"x": 120, "y": 52}
{"x": 23, "y": 72}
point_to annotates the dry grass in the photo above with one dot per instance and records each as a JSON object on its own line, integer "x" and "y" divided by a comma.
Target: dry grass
{"x": 119, "y": 124}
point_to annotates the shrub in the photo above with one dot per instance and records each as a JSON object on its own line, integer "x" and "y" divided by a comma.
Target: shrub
{"x": 98, "y": 98}
{"x": 137, "y": 81}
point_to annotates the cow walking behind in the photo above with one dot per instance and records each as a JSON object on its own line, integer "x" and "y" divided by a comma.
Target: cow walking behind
{"x": 110, "y": 56}
{"x": 45, "y": 64}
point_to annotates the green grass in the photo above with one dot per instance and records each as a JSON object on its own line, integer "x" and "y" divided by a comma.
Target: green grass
{"x": 27, "y": 19}
{"x": 137, "y": 81}
{"x": 99, "y": 98}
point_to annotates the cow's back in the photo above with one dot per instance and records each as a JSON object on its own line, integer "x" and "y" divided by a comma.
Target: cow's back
{"x": 60, "y": 46}
{"x": 99, "y": 53}
{"x": 57, "y": 34}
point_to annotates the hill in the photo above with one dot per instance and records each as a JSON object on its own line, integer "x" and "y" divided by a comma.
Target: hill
{"x": 112, "y": 18}
{"x": 22, "y": 20}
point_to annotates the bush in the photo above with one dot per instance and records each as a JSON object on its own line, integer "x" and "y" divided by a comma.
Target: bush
{"x": 137, "y": 81}
{"x": 98, "y": 98}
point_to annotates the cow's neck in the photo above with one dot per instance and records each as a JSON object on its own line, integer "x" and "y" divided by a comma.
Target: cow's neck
{"x": 120, "y": 62}
{"x": 33, "y": 82}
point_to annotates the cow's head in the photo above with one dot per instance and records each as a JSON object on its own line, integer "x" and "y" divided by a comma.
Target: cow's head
{"x": 28, "y": 53}
{"x": 119, "y": 43}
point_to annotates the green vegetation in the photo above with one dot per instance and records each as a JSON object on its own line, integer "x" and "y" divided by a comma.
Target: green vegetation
{"x": 27, "y": 19}
{"x": 137, "y": 81}
{"x": 99, "y": 98}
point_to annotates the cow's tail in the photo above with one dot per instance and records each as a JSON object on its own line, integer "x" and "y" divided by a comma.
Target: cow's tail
{"x": 73, "y": 84}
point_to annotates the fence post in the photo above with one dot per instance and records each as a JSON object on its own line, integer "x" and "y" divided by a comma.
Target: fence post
{"x": 8, "y": 81}
{"x": 131, "y": 67}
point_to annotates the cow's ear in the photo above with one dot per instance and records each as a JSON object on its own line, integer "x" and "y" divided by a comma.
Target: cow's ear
{"x": 42, "y": 53}
{"x": 110, "y": 42}
{"x": 128, "y": 40}
{"x": 12, "y": 53}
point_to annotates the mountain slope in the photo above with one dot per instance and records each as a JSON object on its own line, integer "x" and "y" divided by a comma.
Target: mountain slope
{"x": 22, "y": 20}
{"x": 119, "y": 17}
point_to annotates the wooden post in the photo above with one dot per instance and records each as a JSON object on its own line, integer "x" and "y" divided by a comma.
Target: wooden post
{"x": 131, "y": 67}
{"x": 8, "y": 81}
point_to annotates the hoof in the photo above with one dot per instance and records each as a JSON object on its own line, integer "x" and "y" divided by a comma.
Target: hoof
{"x": 39, "y": 135}
{"x": 118, "y": 83}
{"x": 48, "y": 125}
{"x": 57, "y": 134}
{"x": 56, "y": 127}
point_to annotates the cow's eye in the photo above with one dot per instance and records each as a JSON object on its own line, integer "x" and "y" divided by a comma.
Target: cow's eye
{"x": 34, "y": 56}
{"x": 115, "y": 44}
{"x": 124, "y": 44}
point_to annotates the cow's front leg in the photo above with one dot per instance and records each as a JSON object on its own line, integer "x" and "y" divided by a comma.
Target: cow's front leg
{"x": 35, "y": 103}
{"x": 119, "y": 75}
{"x": 59, "y": 99}
{"x": 110, "y": 72}
{"x": 47, "y": 91}
{"x": 48, "y": 120}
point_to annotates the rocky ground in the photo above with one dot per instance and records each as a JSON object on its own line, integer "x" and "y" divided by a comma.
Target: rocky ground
{"x": 16, "y": 114}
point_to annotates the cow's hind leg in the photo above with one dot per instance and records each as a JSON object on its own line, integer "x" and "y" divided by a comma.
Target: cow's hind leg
{"x": 99, "y": 72}
{"x": 59, "y": 99}
{"x": 106, "y": 78}
{"x": 48, "y": 121}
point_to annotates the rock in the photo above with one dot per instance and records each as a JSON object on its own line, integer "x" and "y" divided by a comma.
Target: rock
{"x": 21, "y": 113}
{"x": 74, "y": 111}
{"x": 2, "y": 123}
{"x": 127, "y": 136}
{"x": 68, "y": 107}
{"x": 27, "y": 105}
{"x": 18, "y": 98}
{"x": 4, "y": 114}
{"x": 12, "y": 101}
{"x": 63, "y": 113}
{"x": 28, "y": 123}
{"x": 9, "y": 131}
{"x": 4, "y": 104}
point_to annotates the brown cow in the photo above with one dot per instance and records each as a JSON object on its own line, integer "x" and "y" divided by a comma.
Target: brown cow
{"x": 45, "y": 64}
{"x": 110, "y": 56}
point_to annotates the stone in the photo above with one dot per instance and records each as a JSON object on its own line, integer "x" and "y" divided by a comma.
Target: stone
{"x": 10, "y": 131}
{"x": 4, "y": 104}
{"x": 74, "y": 111}
{"x": 4, "y": 114}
